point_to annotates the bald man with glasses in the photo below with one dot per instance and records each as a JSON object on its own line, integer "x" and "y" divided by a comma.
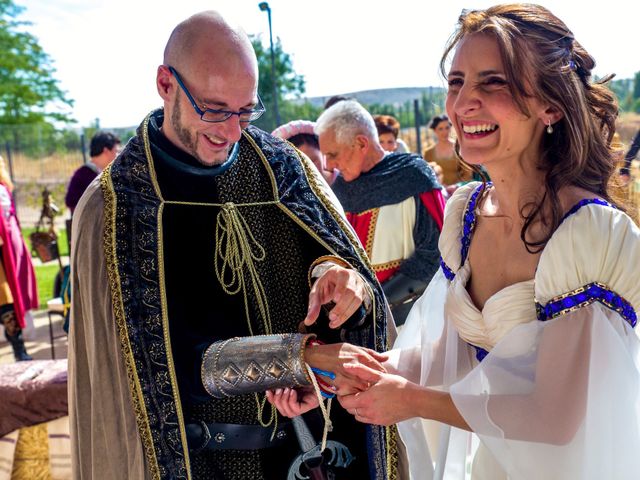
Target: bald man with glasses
{"x": 212, "y": 263}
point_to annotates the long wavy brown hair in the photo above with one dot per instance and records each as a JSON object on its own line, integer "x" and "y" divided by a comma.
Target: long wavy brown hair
{"x": 541, "y": 55}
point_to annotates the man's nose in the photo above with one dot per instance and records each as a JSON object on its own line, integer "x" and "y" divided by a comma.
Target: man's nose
{"x": 234, "y": 128}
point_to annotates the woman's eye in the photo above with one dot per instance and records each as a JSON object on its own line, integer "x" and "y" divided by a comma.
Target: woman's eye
{"x": 455, "y": 82}
{"x": 494, "y": 82}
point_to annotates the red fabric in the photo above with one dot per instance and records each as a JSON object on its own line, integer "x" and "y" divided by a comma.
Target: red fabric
{"x": 361, "y": 223}
{"x": 434, "y": 203}
{"x": 384, "y": 275}
{"x": 9, "y": 262}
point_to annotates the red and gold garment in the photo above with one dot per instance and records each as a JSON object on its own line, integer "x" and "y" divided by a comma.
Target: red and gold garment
{"x": 387, "y": 232}
{"x": 396, "y": 208}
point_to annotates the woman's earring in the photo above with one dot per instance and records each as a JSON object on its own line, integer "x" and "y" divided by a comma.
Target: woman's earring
{"x": 549, "y": 127}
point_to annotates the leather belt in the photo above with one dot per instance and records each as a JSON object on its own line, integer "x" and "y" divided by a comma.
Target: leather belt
{"x": 231, "y": 436}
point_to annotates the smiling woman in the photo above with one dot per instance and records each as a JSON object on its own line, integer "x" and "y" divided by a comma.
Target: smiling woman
{"x": 529, "y": 286}
{"x": 525, "y": 336}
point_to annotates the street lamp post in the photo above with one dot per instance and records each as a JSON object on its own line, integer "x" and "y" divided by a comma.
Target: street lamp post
{"x": 264, "y": 7}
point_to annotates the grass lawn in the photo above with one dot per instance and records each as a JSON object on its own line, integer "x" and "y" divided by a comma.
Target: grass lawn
{"x": 45, "y": 277}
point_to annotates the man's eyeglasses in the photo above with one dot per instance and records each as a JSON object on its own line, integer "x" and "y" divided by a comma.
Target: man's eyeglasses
{"x": 216, "y": 116}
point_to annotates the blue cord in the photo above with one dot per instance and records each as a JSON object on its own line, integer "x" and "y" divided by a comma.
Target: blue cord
{"x": 324, "y": 373}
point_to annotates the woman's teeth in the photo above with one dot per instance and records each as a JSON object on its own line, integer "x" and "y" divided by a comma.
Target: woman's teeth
{"x": 485, "y": 127}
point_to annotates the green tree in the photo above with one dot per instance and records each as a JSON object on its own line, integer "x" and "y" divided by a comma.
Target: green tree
{"x": 27, "y": 84}
{"x": 291, "y": 86}
{"x": 30, "y": 97}
{"x": 636, "y": 86}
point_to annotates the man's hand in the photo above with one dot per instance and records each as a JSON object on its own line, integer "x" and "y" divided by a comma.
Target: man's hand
{"x": 293, "y": 402}
{"x": 339, "y": 285}
{"x": 333, "y": 357}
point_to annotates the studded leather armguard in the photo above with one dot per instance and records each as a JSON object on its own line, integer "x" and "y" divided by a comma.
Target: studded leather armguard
{"x": 254, "y": 364}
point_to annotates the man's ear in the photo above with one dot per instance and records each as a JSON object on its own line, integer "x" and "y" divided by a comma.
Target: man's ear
{"x": 362, "y": 143}
{"x": 163, "y": 82}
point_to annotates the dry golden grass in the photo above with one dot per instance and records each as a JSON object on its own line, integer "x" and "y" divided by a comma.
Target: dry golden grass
{"x": 628, "y": 125}
{"x": 52, "y": 169}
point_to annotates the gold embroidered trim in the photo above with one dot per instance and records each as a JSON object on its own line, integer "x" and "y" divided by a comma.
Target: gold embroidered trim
{"x": 364, "y": 212}
{"x": 375, "y": 212}
{"x": 393, "y": 459}
{"x": 147, "y": 152}
{"x": 163, "y": 298}
{"x": 380, "y": 267}
{"x": 113, "y": 274}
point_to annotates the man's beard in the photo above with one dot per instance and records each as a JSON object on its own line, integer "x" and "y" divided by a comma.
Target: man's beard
{"x": 185, "y": 136}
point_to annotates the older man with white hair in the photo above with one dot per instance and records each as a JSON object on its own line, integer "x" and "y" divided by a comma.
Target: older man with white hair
{"x": 392, "y": 200}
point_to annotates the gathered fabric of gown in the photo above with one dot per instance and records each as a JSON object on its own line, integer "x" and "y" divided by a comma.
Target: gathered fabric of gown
{"x": 547, "y": 374}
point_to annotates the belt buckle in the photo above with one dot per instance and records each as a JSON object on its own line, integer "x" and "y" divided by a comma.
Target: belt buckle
{"x": 206, "y": 435}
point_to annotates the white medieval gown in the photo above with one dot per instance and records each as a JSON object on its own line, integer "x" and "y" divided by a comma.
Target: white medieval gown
{"x": 556, "y": 394}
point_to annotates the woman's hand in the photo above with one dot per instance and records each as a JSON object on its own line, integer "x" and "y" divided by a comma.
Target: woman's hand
{"x": 291, "y": 402}
{"x": 333, "y": 358}
{"x": 388, "y": 400}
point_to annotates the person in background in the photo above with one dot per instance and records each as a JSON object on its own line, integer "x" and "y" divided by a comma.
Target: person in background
{"x": 300, "y": 133}
{"x": 388, "y": 129}
{"x": 437, "y": 169}
{"x": 630, "y": 155}
{"x": 104, "y": 148}
{"x": 331, "y": 101}
{"x": 443, "y": 153}
{"x": 392, "y": 200}
{"x": 629, "y": 175}
{"x": 18, "y": 289}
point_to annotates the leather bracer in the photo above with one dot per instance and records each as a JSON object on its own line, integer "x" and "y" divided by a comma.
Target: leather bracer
{"x": 243, "y": 365}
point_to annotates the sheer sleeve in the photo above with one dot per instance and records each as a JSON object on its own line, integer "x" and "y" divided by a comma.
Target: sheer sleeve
{"x": 554, "y": 398}
{"x": 557, "y": 397}
{"x": 560, "y": 397}
{"x": 429, "y": 351}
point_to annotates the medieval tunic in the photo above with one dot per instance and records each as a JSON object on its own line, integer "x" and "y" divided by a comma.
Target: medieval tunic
{"x": 396, "y": 209}
{"x": 157, "y": 228}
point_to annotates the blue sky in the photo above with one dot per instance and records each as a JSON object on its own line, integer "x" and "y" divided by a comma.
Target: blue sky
{"x": 106, "y": 51}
